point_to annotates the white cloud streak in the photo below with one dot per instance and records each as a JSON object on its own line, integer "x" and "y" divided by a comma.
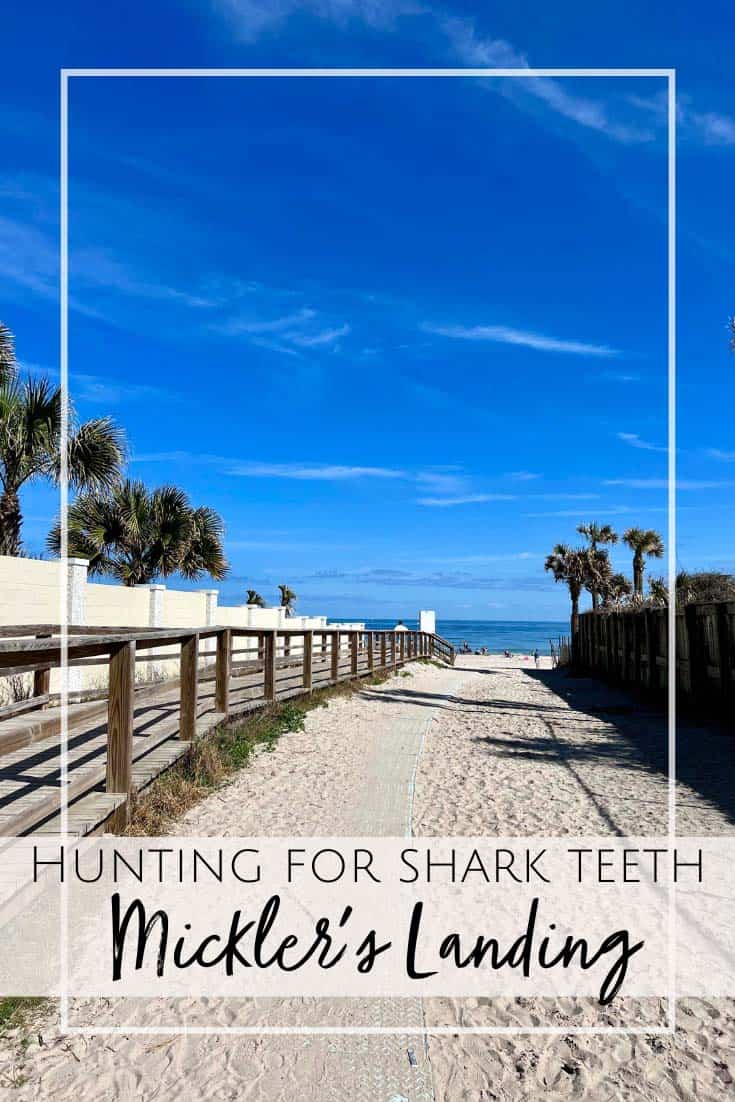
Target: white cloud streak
{"x": 311, "y": 473}
{"x": 662, "y": 484}
{"x": 464, "y": 499}
{"x": 634, "y": 440}
{"x": 503, "y": 334}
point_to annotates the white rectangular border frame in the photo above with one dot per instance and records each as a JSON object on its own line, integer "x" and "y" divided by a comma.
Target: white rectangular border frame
{"x": 670, "y": 76}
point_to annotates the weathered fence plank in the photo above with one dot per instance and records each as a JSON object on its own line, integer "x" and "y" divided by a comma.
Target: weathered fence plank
{"x": 632, "y": 648}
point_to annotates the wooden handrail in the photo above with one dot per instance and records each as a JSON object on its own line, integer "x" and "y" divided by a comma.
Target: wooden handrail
{"x": 267, "y": 666}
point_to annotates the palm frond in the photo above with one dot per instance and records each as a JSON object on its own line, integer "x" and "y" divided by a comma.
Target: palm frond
{"x": 96, "y": 454}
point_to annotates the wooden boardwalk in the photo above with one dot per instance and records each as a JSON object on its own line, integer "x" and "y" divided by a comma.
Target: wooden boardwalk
{"x": 119, "y": 744}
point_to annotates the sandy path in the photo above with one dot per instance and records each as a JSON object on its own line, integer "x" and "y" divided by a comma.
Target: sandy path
{"x": 500, "y": 750}
{"x": 552, "y": 755}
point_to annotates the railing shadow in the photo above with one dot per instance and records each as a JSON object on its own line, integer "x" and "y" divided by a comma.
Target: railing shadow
{"x": 635, "y": 735}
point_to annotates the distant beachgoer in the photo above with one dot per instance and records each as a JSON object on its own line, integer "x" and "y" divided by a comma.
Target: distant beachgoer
{"x": 536, "y": 657}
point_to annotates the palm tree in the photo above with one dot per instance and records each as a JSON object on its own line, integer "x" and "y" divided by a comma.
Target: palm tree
{"x": 658, "y": 591}
{"x": 571, "y": 565}
{"x": 288, "y": 599}
{"x": 254, "y": 598}
{"x": 30, "y": 444}
{"x": 137, "y": 535}
{"x": 644, "y": 543}
{"x": 597, "y": 534}
{"x": 615, "y": 589}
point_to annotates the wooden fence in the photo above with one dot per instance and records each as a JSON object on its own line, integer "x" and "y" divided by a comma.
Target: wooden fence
{"x": 632, "y": 648}
{"x": 216, "y": 681}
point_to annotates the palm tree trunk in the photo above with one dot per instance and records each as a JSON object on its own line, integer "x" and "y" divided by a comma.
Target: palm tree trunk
{"x": 575, "y": 629}
{"x": 575, "y": 615}
{"x": 11, "y": 522}
{"x": 595, "y": 600}
{"x": 638, "y": 574}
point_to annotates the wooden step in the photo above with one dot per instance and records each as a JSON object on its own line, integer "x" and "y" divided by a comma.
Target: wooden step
{"x": 85, "y": 815}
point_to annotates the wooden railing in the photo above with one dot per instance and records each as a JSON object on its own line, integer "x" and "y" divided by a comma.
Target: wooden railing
{"x": 250, "y": 668}
{"x": 632, "y": 648}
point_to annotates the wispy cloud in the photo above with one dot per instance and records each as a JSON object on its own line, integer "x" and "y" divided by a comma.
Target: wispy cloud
{"x": 613, "y": 510}
{"x": 629, "y": 120}
{"x": 311, "y": 472}
{"x": 662, "y": 484}
{"x": 634, "y": 440}
{"x": 725, "y": 457}
{"x": 449, "y": 579}
{"x": 522, "y": 476}
{"x": 287, "y": 334}
{"x": 107, "y": 391}
{"x": 442, "y": 482}
{"x": 618, "y": 377}
{"x": 464, "y": 499}
{"x": 253, "y": 326}
{"x": 326, "y": 336}
{"x": 252, "y": 18}
{"x": 704, "y": 127}
{"x": 503, "y": 334}
{"x": 567, "y": 497}
{"x": 474, "y": 49}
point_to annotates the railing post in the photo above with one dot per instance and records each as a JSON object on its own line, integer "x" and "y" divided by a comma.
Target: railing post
{"x": 269, "y": 664}
{"x": 335, "y": 655}
{"x": 354, "y": 644}
{"x": 308, "y": 652}
{"x": 189, "y": 683}
{"x": 120, "y": 711}
{"x": 42, "y": 678}
{"x": 383, "y": 636}
{"x": 371, "y": 650}
{"x": 223, "y": 672}
{"x": 394, "y": 650}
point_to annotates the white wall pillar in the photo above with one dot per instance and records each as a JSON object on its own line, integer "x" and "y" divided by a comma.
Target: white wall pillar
{"x": 156, "y": 616}
{"x": 427, "y": 621}
{"x": 210, "y": 621}
{"x": 76, "y": 608}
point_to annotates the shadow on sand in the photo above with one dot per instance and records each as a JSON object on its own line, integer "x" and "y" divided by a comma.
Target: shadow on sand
{"x": 636, "y": 736}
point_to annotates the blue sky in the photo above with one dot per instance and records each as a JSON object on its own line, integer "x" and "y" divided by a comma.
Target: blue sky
{"x": 404, "y": 335}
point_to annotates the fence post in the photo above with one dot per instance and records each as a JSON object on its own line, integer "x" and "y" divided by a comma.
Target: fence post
{"x": 371, "y": 650}
{"x": 120, "y": 710}
{"x": 723, "y": 648}
{"x": 269, "y": 663}
{"x": 394, "y": 650}
{"x": 308, "y": 651}
{"x": 223, "y": 671}
{"x": 695, "y": 651}
{"x": 652, "y": 631}
{"x": 189, "y": 683}
{"x": 354, "y": 641}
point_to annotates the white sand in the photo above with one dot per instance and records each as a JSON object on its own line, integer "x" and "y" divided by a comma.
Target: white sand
{"x": 499, "y": 752}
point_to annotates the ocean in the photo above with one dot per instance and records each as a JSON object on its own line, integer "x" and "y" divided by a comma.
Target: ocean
{"x": 517, "y": 636}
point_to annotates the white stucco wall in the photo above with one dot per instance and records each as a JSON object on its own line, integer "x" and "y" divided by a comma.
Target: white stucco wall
{"x": 30, "y": 593}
